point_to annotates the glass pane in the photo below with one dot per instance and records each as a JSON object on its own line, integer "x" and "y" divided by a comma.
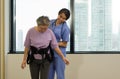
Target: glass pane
{"x": 97, "y": 25}
{"x": 27, "y": 11}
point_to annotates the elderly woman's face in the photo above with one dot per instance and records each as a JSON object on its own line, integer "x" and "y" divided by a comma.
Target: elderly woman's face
{"x": 42, "y": 28}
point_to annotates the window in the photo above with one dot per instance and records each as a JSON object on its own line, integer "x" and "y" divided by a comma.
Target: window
{"x": 26, "y": 12}
{"x": 97, "y": 25}
{"x": 94, "y": 24}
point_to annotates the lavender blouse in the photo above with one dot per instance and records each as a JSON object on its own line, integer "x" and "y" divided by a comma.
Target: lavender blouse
{"x": 39, "y": 39}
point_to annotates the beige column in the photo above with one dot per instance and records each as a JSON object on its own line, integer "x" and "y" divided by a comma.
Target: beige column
{"x": 2, "y": 51}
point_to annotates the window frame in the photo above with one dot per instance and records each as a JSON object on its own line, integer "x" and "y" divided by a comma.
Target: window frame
{"x": 72, "y": 38}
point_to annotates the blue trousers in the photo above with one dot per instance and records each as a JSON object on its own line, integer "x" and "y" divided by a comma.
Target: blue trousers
{"x": 58, "y": 67}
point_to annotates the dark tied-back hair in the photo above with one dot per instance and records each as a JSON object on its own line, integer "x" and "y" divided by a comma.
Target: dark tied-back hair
{"x": 66, "y": 12}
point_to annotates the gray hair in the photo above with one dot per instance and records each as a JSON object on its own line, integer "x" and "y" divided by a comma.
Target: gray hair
{"x": 43, "y": 20}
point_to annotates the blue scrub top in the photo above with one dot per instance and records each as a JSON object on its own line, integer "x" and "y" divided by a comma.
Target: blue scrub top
{"x": 61, "y": 32}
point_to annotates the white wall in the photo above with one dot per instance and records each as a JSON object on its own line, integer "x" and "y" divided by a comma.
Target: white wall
{"x": 83, "y": 66}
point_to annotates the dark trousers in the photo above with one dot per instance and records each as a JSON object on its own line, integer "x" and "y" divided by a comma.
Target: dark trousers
{"x": 39, "y": 69}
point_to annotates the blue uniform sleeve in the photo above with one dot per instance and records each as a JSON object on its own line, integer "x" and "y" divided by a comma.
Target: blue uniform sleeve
{"x": 54, "y": 43}
{"x": 65, "y": 32}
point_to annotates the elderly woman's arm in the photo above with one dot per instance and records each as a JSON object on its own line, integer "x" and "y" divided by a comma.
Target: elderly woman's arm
{"x": 23, "y": 65}
{"x": 61, "y": 55}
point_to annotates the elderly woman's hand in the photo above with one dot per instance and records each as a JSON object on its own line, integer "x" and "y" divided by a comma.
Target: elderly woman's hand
{"x": 66, "y": 61}
{"x": 23, "y": 65}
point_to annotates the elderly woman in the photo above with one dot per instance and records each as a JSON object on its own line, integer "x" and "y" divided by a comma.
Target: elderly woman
{"x": 38, "y": 39}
